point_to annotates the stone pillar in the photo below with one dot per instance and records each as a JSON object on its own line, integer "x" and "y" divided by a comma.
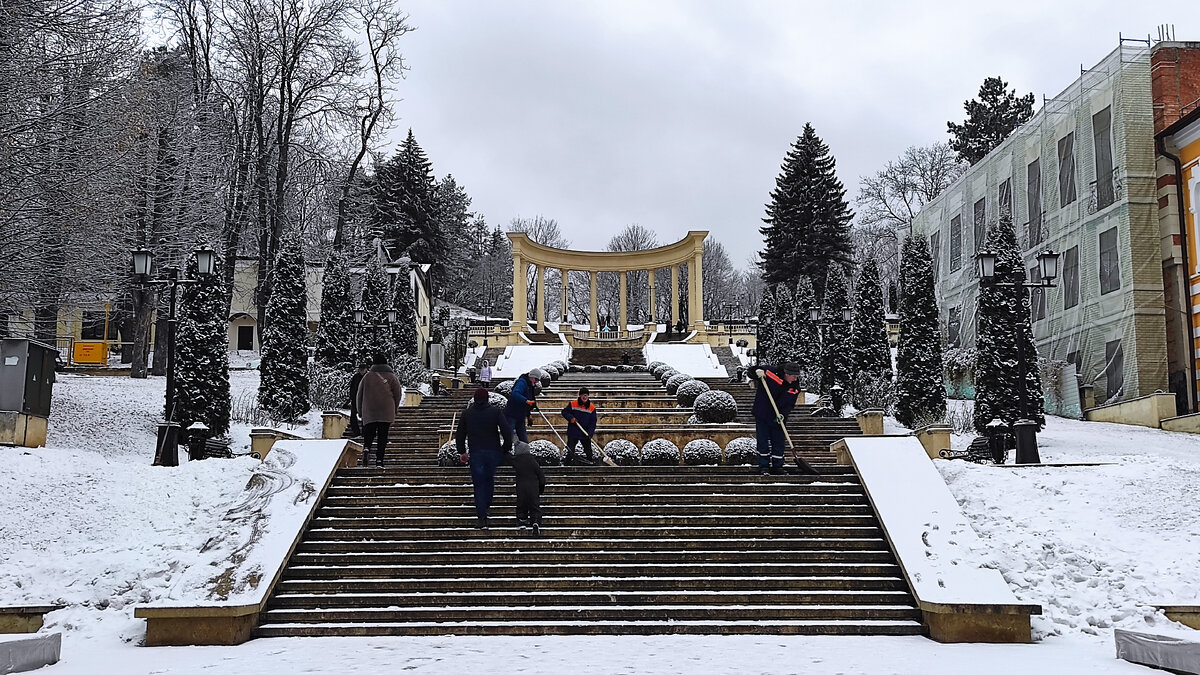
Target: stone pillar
{"x": 674, "y": 293}
{"x": 696, "y": 292}
{"x": 624, "y": 313}
{"x": 539, "y": 291}
{"x": 520, "y": 302}
{"x": 653, "y": 320}
{"x": 563, "y": 305}
{"x": 594, "y": 316}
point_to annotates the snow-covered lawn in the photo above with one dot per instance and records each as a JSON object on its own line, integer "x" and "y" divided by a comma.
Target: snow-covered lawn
{"x": 90, "y": 523}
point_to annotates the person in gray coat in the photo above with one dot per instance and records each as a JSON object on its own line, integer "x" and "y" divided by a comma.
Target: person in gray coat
{"x": 379, "y": 395}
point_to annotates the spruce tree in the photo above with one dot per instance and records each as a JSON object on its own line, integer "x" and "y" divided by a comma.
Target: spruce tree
{"x": 1004, "y": 318}
{"x": 784, "y": 347}
{"x": 405, "y": 205}
{"x": 920, "y": 391}
{"x": 202, "y": 355}
{"x": 835, "y": 350}
{"x": 808, "y": 341}
{"x": 335, "y": 334}
{"x": 808, "y": 218}
{"x": 404, "y": 330}
{"x": 765, "y": 343}
{"x": 989, "y": 120}
{"x": 869, "y": 350}
{"x": 283, "y": 384}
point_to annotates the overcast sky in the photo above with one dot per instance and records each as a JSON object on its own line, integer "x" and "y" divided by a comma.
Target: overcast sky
{"x": 676, "y": 114}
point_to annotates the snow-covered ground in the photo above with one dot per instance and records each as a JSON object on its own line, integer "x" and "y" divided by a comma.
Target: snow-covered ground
{"x": 520, "y": 359}
{"x": 694, "y": 360}
{"x": 88, "y": 522}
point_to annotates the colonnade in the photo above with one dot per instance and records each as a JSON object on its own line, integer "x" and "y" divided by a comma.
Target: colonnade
{"x": 688, "y": 252}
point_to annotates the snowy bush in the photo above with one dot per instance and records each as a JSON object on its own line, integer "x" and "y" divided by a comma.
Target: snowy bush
{"x": 495, "y": 399}
{"x": 410, "y": 371}
{"x": 687, "y": 392}
{"x": 328, "y": 388}
{"x": 547, "y": 453}
{"x": 654, "y": 364}
{"x": 624, "y": 369}
{"x": 639, "y": 368}
{"x": 664, "y": 375}
{"x": 659, "y": 368}
{"x": 701, "y": 451}
{"x": 575, "y": 368}
{"x": 552, "y": 371}
{"x": 741, "y": 450}
{"x": 504, "y": 388}
{"x": 560, "y": 364}
{"x": 692, "y": 419}
{"x": 673, "y": 383}
{"x": 660, "y": 452}
{"x": 589, "y": 368}
{"x": 715, "y": 406}
{"x": 448, "y": 455}
{"x": 608, "y": 369}
{"x": 873, "y": 392}
{"x": 623, "y": 452}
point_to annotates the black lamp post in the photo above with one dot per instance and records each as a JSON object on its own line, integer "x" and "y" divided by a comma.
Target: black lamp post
{"x": 167, "y": 452}
{"x": 753, "y": 320}
{"x": 1025, "y": 429}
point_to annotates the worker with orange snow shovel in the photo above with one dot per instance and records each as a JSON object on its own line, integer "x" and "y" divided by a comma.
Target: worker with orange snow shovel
{"x": 775, "y": 398}
{"x": 581, "y": 426}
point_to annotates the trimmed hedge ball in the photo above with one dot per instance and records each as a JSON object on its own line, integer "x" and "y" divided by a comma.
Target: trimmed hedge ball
{"x": 448, "y": 455}
{"x": 560, "y": 364}
{"x": 639, "y": 368}
{"x": 658, "y": 368}
{"x": 687, "y": 392}
{"x": 667, "y": 374}
{"x": 673, "y": 383}
{"x": 496, "y": 399}
{"x": 660, "y": 452}
{"x": 654, "y": 364}
{"x": 741, "y": 450}
{"x": 608, "y": 369}
{"x": 589, "y": 368}
{"x": 546, "y": 452}
{"x": 701, "y": 451}
{"x": 692, "y": 419}
{"x": 716, "y": 407}
{"x": 575, "y": 368}
{"x": 623, "y": 452}
{"x": 624, "y": 369}
{"x": 504, "y": 388}
{"x": 552, "y": 371}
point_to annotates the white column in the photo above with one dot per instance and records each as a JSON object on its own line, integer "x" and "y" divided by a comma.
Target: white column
{"x": 696, "y": 292}
{"x": 563, "y": 306}
{"x": 520, "y": 302}
{"x": 674, "y": 294}
{"x": 624, "y": 313}
{"x": 540, "y": 292}
{"x": 652, "y": 320}
{"x": 594, "y": 317}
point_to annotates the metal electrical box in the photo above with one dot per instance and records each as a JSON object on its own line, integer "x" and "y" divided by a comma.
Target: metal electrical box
{"x": 26, "y": 376}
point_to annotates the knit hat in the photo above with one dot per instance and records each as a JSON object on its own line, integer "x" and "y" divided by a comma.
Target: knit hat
{"x": 520, "y": 447}
{"x": 792, "y": 369}
{"x": 481, "y": 396}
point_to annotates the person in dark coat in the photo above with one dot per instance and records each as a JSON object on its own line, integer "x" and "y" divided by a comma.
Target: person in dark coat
{"x": 379, "y": 394}
{"x": 531, "y": 483}
{"x": 580, "y": 413}
{"x": 522, "y": 401}
{"x": 485, "y": 431}
{"x": 355, "y": 416}
{"x": 780, "y": 383}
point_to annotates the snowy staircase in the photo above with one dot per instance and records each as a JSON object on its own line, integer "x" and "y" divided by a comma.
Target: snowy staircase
{"x": 628, "y": 550}
{"x": 606, "y": 356}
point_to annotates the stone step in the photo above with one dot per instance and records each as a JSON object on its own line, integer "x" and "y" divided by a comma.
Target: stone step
{"x": 627, "y": 545}
{"x": 593, "y": 598}
{"x": 507, "y": 528}
{"x": 769, "y": 486}
{"x": 461, "y": 584}
{"x": 307, "y": 558}
{"x": 602, "y": 510}
{"x": 747, "y": 480}
{"x": 508, "y": 500}
{"x": 466, "y": 571}
{"x": 538, "y": 628}
{"x": 638, "y": 521}
{"x": 576, "y": 613}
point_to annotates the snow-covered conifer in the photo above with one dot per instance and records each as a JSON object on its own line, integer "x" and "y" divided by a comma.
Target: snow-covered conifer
{"x": 920, "y": 392}
{"x": 869, "y": 348}
{"x": 765, "y": 346}
{"x": 1003, "y": 318}
{"x": 202, "y": 355}
{"x": 283, "y": 384}
{"x": 404, "y": 330}
{"x": 835, "y": 349}
{"x": 335, "y": 335}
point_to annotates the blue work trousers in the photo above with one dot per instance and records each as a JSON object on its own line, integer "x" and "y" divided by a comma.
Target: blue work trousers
{"x": 770, "y": 444}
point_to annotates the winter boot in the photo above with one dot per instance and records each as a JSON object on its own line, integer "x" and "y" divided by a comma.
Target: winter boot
{"x": 535, "y": 530}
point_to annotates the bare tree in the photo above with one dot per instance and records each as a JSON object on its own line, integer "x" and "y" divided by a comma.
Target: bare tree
{"x": 633, "y": 238}
{"x": 546, "y": 232}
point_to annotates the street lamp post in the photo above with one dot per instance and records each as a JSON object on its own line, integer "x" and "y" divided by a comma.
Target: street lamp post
{"x": 1024, "y": 429}
{"x": 167, "y": 452}
{"x": 754, "y": 320}
{"x": 823, "y": 323}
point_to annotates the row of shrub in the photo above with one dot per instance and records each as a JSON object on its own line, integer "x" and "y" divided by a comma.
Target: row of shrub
{"x": 658, "y": 452}
{"x": 710, "y": 406}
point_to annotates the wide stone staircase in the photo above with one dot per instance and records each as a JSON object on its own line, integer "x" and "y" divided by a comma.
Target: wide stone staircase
{"x": 607, "y": 356}
{"x": 626, "y": 550}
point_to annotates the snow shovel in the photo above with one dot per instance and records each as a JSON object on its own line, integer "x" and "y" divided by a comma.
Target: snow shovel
{"x": 779, "y": 418}
{"x": 603, "y": 456}
{"x": 560, "y": 438}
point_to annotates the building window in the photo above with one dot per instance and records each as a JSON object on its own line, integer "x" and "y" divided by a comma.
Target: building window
{"x": 1066, "y": 170}
{"x": 980, "y": 215}
{"x": 935, "y": 252}
{"x": 1071, "y": 277}
{"x": 1033, "y": 193}
{"x": 1037, "y": 296}
{"x": 955, "y": 243}
{"x": 1114, "y": 369}
{"x": 1004, "y": 198}
{"x": 953, "y": 328}
{"x": 1102, "y": 143}
{"x": 1073, "y": 359}
{"x": 1110, "y": 267}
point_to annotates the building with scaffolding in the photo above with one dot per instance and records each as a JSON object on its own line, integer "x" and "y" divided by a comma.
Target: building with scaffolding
{"x": 1084, "y": 177}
